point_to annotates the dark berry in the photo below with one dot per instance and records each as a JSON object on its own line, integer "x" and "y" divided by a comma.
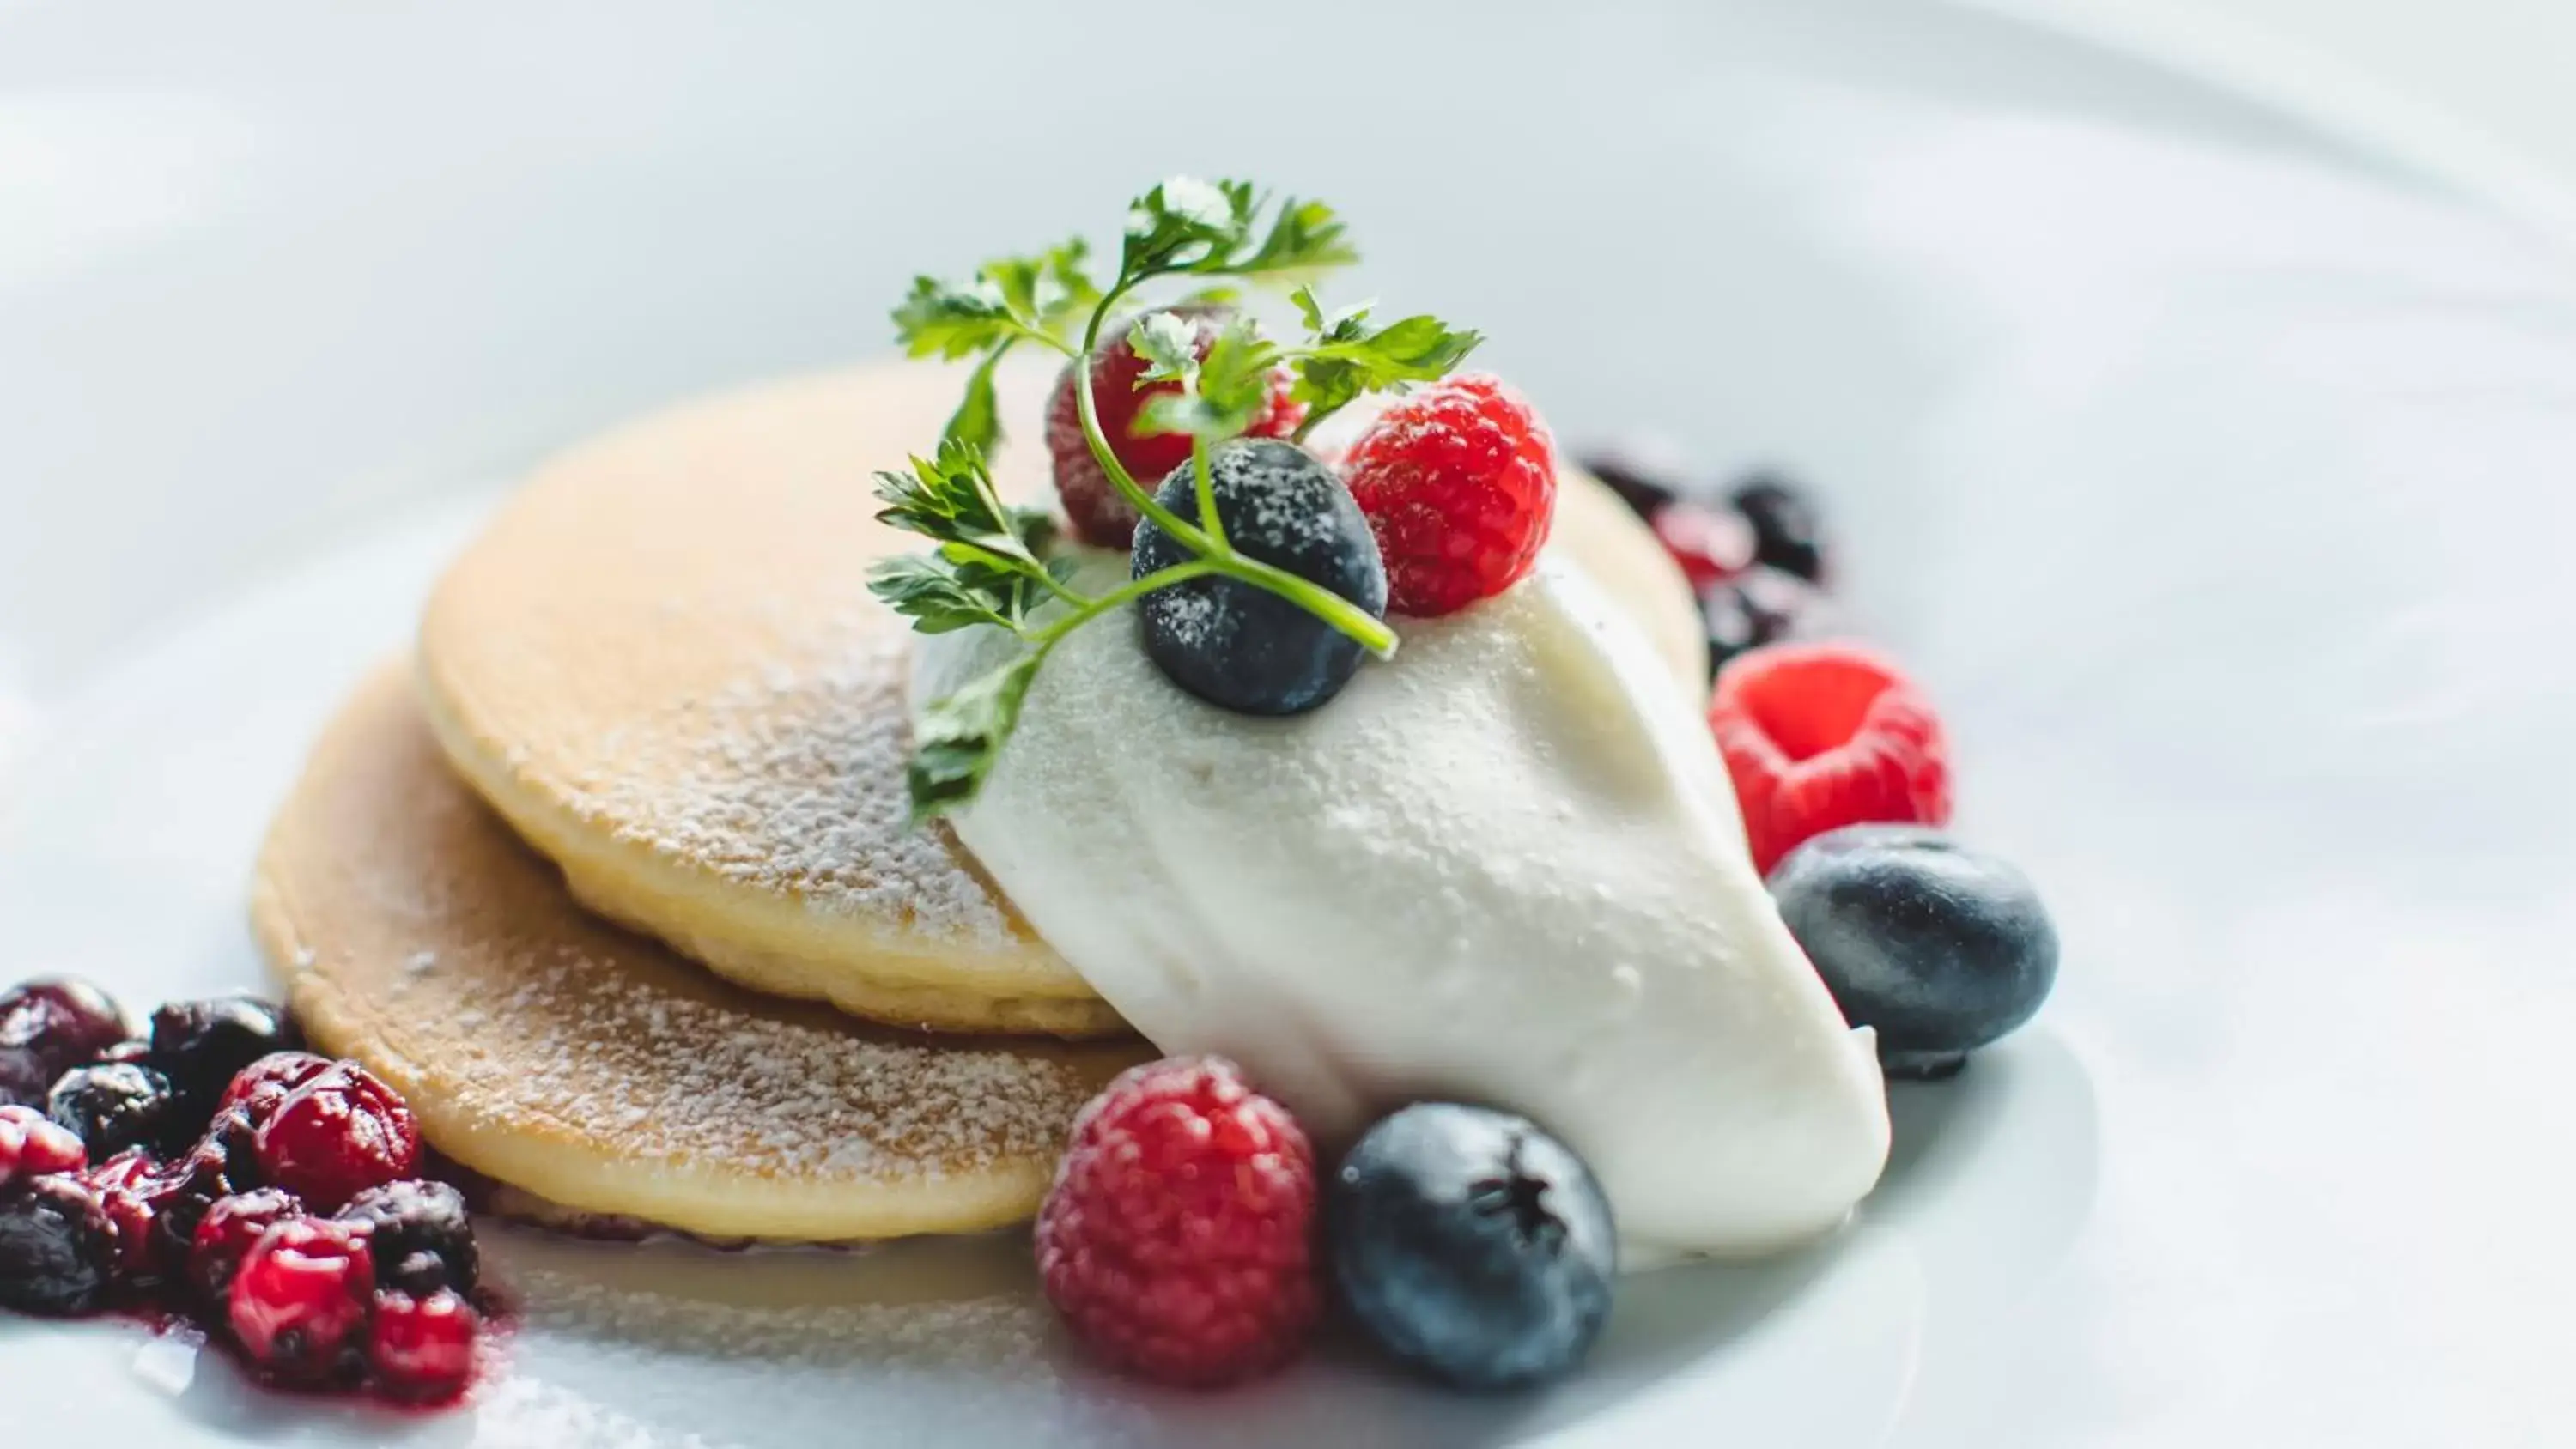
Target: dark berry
{"x": 1472, "y": 1245}
{"x": 58, "y": 1248}
{"x": 423, "y": 1235}
{"x": 338, "y": 1135}
{"x": 49, "y": 1027}
{"x": 115, "y": 1108}
{"x": 199, "y": 1045}
{"x": 224, "y": 1163}
{"x": 1940, "y": 948}
{"x": 299, "y": 1304}
{"x": 257, "y": 1089}
{"x": 227, "y": 1233}
{"x": 421, "y": 1347}
{"x": 1239, "y": 646}
{"x": 1645, "y": 474}
{"x": 32, "y": 1145}
{"x": 1788, "y": 534}
{"x": 1761, "y": 606}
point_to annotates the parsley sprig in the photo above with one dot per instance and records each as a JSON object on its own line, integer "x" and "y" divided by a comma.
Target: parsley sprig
{"x": 989, "y": 564}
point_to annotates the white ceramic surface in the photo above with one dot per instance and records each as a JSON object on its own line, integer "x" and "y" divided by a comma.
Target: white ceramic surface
{"x": 2213, "y": 474}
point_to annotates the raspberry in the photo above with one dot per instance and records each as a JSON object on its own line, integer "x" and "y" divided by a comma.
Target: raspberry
{"x": 299, "y": 1305}
{"x": 135, "y": 1191}
{"x": 33, "y": 1146}
{"x": 1824, "y": 735}
{"x": 227, "y": 1233}
{"x": 1711, "y": 547}
{"x": 1459, "y": 480}
{"x": 338, "y": 1135}
{"x": 422, "y": 1349}
{"x": 258, "y": 1088}
{"x": 1100, "y": 516}
{"x": 1178, "y": 1240}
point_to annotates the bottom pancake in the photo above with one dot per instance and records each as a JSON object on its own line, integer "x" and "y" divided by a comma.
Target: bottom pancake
{"x": 553, "y": 1052}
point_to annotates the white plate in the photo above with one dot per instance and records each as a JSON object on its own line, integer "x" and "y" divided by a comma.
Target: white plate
{"x": 2214, "y": 474}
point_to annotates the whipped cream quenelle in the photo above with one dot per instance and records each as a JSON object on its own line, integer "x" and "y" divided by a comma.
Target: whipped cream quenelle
{"x": 1503, "y": 867}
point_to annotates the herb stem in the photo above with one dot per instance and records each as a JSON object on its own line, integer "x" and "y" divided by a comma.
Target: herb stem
{"x": 1133, "y": 589}
{"x": 1217, "y": 557}
{"x": 1207, "y": 498}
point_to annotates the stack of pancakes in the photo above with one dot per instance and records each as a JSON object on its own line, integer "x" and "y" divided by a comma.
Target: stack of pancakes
{"x": 614, "y": 879}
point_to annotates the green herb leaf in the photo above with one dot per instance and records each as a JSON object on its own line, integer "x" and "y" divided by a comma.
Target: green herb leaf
{"x": 1186, "y": 224}
{"x": 952, "y": 498}
{"x": 977, "y": 423}
{"x": 960, "y": 735}
{"x": 1347, "y": 359}
{"x": 1168, "y": 344}
{"x": 952, "y": 319}
{"x": 1221, "y": 393}
{"x": 1306, "y": 238}
{"x": 937, "y": 596}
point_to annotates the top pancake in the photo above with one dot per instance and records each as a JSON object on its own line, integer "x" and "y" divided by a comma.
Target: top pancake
{"x": 662, "y": 665}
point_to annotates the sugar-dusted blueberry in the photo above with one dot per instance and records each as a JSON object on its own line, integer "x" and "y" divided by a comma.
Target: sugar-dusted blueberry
{"x": 1940, "y": 948}
{"x": 58, "y": 1250}
{"x": 1472, "y": 1245}
{"x": 1788, "y": 532}
{"x": 114, "y": 1108}
{"x": 1238, "y": 646}
{"x": 199, "y": 1045}
{"x": 48, "y": 1027}
{"x": 423, "y": 1235}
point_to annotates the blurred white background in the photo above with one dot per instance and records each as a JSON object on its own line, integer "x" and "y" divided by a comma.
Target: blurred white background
{"x": 2479, "y": 88}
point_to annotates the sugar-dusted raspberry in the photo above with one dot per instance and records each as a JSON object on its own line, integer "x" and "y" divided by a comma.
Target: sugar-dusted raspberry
{"x": 337, "y": 1135}
{"x": 1459, "y": 480}
{"x": 1099, "y": 515}
{"x": 1824, "y": 735}
{"x": 1179, "y": 1238}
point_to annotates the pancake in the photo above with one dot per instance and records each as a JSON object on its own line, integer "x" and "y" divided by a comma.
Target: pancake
{"x": 594, "y": 1069}
{"x": 662, "y": 665}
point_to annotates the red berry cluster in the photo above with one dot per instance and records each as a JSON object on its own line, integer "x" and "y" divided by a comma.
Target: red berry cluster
{"x": 1816, "y": 734}
{"x": 1458, "y": 478}
{"x": 265, "y": 1228}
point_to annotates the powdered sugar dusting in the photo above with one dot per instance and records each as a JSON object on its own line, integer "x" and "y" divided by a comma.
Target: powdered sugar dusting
{"x": 791, "y": 780}
{"x": 706, "y": 1080}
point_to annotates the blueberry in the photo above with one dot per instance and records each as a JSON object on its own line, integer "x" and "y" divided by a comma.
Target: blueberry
{"x": 1941, "y": 948}
{"x": 57, "y": 1247}
{"x": 199, "y": 1045}
{"x": 1472, "y": 1245}
{"x": 1761, "y": 605}
{"x": 115, "y": 1107}
{"x": 423, "y": 1236}
{"x": 49, "y": 1027}
{"x": 1788, "y": 534}
{"x": 1639, "y": 473}
{"x": 1238, "y": 646}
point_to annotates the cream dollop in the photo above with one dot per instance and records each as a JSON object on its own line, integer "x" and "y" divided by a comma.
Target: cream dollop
{"x": 1503, "y": 867}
